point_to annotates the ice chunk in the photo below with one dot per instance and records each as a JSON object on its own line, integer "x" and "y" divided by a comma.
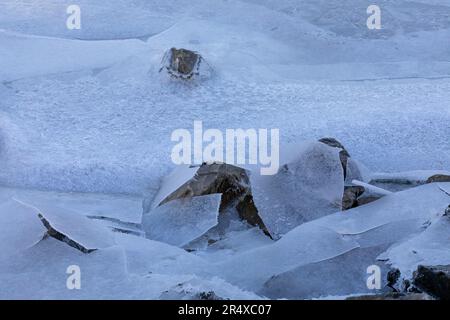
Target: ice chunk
{"x": 20, "y": 228}
{"x": 387, "y": 234}
{"x": 181, "y": 221}
{"x": 343, "y": 275}
{"x": 40, "y": 273}
{"x": 235, "y": 242}
{"x": 74, "y": 229}
{"x": 171, "y": 183}
{"x": 308, "y": 186}
{"x": 420, "y": 204}
{"x": 146, "y": 256}
{"x": 304, "y": 245}
{"x": 382, "y": 223}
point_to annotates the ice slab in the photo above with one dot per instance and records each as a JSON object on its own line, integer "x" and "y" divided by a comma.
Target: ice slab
{"x": 420, "y": 204}
{"x": 41, "y": 272}
{"x": 20, "y": 228}
{"x": 394, "y": 218}
{"x": 304, "y": 245}
{"x": 74, "y": 229}
{"x": 309, "y": 185}
{"x": 181, "y": 221}
{"x": 343, "y": 275}
{"x": 179, "y": 176}
{"x": 145, "y": 256}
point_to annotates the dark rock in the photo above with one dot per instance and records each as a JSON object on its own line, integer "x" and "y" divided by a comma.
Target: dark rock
{"x": 363, "y": 200}
{"x": 392, "y": 278}
{"x": 211, "y": 295}
{"x": 356, "y": 196}
{"x": 182, "y": 293}
{"x": 394, "y": 296}
{"x": 434, "y": 280}
{"x": 183, "y": 64}
{"x": 343, "y": 154}
{"x": 351, "y": 195}
{"x": 396, "y": 184}
{"x": 447, "y": 212}
{"x": 248, "y": 211}
{"x": 438, "y": 178}
{"x": 52, "y": 232}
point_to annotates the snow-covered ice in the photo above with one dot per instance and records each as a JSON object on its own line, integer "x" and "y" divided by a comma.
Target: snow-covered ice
{"x": 85, "y": 133}
{"x": 92, "y": 116}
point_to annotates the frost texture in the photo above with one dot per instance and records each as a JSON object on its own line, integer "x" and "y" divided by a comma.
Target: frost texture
{"x": 108, "y": 126}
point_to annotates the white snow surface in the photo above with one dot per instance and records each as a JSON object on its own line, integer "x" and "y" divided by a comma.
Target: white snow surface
{"x": 85, "y": 110}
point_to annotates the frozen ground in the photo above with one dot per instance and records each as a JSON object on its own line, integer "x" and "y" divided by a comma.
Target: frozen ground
{"x": 94, "y": 116}
{"x": 86, "y": 111}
